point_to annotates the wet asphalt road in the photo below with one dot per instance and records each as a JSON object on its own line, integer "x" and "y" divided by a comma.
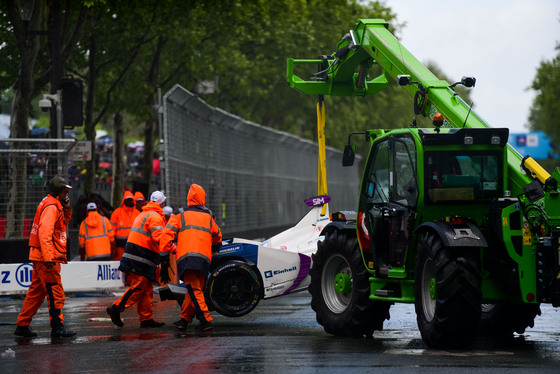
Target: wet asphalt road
{"x": 280, "y": 336}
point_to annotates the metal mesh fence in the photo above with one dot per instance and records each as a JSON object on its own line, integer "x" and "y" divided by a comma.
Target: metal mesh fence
{"x": 255, "y": 177}
{"x": 25, "y": 166}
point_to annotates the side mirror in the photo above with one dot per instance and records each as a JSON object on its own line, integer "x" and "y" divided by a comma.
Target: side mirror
{"x": 468, "y": 81}
{"x": 348, "y": 155}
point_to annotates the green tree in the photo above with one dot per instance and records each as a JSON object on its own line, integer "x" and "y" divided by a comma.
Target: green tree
{"x": 130, "y": 50}
{"x": 36, "y": 61}
{"x": 115, "y": 36}
{"x": 545, "y": 111}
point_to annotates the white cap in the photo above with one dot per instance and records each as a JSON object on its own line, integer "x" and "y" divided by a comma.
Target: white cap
{"x": 158, "y": 197}
{"x": 167, "y": 210}
{"x": 91, "y": 206}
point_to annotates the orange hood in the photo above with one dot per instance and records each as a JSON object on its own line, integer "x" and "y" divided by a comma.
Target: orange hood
{"x": 93, "y": 219}
{"x": 196, "y": 195}
{"x": 127, "y": 194}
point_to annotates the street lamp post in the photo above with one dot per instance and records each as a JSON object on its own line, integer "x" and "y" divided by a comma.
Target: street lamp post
{"x": 54, "y": 30}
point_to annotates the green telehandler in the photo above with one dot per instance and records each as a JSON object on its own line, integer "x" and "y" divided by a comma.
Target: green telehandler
{"x": 450, "y": 218}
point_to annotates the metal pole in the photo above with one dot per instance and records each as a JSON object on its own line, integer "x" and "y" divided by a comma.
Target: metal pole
{"x": 60, "y": 166}
{"x": 161, "y": 141}
{"x": 54, "y": 29}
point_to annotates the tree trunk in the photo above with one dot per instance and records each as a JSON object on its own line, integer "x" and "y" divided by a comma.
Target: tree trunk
{"x": 17, "y": 195}
{"x": 89, "y": 126}
{"x": 118, "y": 161}
{"x": 152, "y": 122}
{"x": 28, "y": 47}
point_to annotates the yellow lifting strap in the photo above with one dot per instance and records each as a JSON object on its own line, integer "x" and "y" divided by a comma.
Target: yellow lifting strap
{"x": 322, "y": 171}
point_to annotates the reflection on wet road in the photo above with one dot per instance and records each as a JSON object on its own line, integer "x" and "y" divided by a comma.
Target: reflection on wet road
{"x": 281, "y": 335}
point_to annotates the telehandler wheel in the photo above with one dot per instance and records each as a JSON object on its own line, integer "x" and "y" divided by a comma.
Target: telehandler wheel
{"x": 447, "y": 293}
{"x": 233, "y": 289}
{"x": 340, "y": 289}
{"x": 502, "y": 320}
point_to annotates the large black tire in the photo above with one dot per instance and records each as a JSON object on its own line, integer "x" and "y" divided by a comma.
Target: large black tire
{"x": 447, "y": 293}
{"x": 502, "y": 320}
{"x": 347, "y": 313}
{"x": 234, "y": 289}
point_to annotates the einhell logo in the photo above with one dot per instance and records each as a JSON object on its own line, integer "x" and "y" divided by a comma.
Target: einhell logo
{"x": 23, "y": 274}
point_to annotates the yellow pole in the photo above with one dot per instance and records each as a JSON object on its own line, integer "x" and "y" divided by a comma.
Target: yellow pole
{"x": 322, "y": 171}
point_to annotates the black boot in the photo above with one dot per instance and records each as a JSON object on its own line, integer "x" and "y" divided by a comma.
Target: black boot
{"x": 150, "y": 323}
{"x": 204, "y": 326}
{"x": 181, "y": 324}
{"x": 24, "y": 331}
{"x": 61, "y": 331}
{"x": 114, "y": 312}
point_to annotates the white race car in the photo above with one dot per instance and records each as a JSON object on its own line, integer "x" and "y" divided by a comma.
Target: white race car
{"x": 245, "y": 271}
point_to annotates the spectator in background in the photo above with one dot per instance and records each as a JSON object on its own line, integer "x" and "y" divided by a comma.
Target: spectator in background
{"x": 139, "y": 200}
{"x": 122, "y": 219}
{"x": 96, "y": 237}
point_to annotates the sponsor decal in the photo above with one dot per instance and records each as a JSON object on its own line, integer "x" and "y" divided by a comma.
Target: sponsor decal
{"x": 23, "y": 274}
{"x": 229, "y": 249}
{"x": 271, "y": 273}
{"x": 106, "y": 272}
{"x": 274, "y": 288}
{"x": 317, "y": 200}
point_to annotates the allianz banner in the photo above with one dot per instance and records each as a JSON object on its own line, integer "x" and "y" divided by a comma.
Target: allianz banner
{"x": 87, "y": 276}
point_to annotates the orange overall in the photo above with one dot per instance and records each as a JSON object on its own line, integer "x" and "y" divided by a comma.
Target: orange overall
{"x": 140, "y": 260}
{"x": 196, "y": 231}
{"x": 47, "y": 243}
{"x": 122, "y": 219}
{"x": 96, "y": 237}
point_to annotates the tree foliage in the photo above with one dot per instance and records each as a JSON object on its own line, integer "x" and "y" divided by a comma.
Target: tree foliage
{"x": 131, "y": 49}
{"x": 545, "y": 111}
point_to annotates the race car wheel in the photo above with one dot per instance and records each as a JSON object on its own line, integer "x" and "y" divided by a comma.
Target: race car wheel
{"x": 502, "y": 320}
{"x": 340, "y": 289}
{"x": 447, "y": 293}
{"x": 234, "y": 289}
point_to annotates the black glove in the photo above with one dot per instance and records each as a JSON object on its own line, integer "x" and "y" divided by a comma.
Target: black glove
{"x": 216, "y": 248}
{"x": 164, "y": 274}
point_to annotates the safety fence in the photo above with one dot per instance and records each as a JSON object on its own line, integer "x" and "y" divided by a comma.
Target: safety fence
{"x": 256, "y": 178}
{"x": 25, "y": 166}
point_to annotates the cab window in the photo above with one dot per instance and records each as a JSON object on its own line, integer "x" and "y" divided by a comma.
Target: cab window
{"x": 391, "y": 176}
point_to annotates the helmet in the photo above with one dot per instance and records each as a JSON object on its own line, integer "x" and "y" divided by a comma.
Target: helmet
{"x": 91, "y": 206}
{"x": 158, "y": 197}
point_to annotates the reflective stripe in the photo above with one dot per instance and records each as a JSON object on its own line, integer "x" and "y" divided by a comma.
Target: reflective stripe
{"x": 193, "y": 254}
{"x": 93, "y": 258}
{"x": 140, "y": 230}
{"x": 172, "y": 228}
{"x": 123, "y": 228}
{"x": 184, "y": 226}
{"x": 96, "y": 236}
{"x": 139, "y": 259}
{"x": 195, "y": 227}
{"x": 155, "y": 228}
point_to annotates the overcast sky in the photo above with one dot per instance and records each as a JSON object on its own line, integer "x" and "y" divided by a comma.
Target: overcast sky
{"x": 499, "y": 42}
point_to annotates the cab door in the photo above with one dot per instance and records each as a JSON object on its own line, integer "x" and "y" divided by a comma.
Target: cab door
{"x": 388, "y": 198}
